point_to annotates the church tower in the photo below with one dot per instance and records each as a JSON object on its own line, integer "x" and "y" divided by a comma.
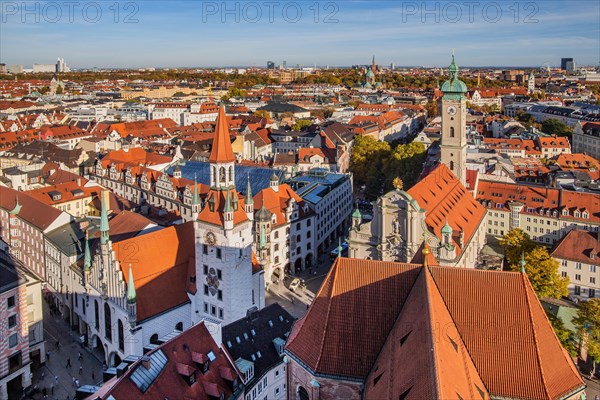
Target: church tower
{"x": 226, "y": 285}
{"x": 531, "y": 84}
{"x": 454, "y": 124}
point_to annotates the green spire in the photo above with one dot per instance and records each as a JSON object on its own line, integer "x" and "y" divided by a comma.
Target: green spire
{"x": 131, "y": 296}
{"x": 87, "y": 258}
{"x": 339, "y": 247}
{"x": 249, "y": 199}
{"x": 453, "y": 67}
{"x": 228, "y": 206}
{"x": 447, "y": 229}
{"x": 522, "y": 262}
{"x": 103, "y": 221}
{"x": 195, "y": 197}
{"x": 356, "y": 214}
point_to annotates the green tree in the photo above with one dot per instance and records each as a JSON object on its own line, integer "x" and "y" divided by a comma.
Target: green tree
{"x": 542, "y": 272}
{"x": 432, "y": 109}
{"x": 301, "y": 124}
{"x": 587, "y": 323}
{"x": 514, "y": 243}
{"x": 59, "y": 89}
{"x": 554, "y": 126}
{"x": 179, "y": 94}
{"x": 564, "y": 335}
{"x": 405, "y": 162}
{"x": 366, "y": 153}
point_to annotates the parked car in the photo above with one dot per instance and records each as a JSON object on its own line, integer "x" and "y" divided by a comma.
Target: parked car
{"x": 295, "y": 284}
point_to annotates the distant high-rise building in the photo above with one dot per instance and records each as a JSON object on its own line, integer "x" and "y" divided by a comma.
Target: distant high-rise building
{"x": 284, "y": 63}
{"x": 3, "y": 68}
{"x": 392, "y": 66}
{"x": 567, "y": 64}
{"x": 270, "y": 65}
{"x": 61, "y": 66}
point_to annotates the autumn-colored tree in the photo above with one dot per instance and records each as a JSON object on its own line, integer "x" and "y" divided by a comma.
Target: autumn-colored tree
{"x": 301, "y": 124}
{"x": 514, "y": 243}
{"x": 405, "y": 161}
{"x": 542, "y": 271}
{"x": 261, "y": 114}
{"x": 366, "y": 153}
{"x": 587, "y": 323}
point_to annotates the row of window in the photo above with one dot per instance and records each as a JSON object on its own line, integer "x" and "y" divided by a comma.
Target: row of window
{"x": 213, "y": 310}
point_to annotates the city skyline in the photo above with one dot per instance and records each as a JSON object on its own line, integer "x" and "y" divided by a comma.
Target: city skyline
{"x": 210, "y": 34}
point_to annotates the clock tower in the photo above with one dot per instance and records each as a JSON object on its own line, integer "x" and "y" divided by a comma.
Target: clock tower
{"x": 454, "y": 124}
{"x": 227, "y": 284}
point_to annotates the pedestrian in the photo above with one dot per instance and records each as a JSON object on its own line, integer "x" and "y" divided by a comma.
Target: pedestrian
{"x": 52, "y": 388}
{"x": 80, "y": 369}
{"x": 68, "y": 362}
{"x": 93, "y": 375}
{"x": 48, "y": 356}
{"x": 73, "y": 383}
{"x": 79, "y": 356}
{"x": 292, "y": 300}
{"x": 77, "y": 383}
{"x": 56, "y": 380}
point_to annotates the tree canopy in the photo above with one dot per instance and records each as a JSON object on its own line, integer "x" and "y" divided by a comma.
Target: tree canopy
{"x": 541, "y": 268}
{"x": 587, "y": 323}
{"x": 554, "y": 126}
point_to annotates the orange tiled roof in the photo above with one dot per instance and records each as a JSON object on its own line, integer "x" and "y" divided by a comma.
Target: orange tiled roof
{"x": 579, "y": 245}
{"x": 536, "y": 199}
{"x": 277, "y": 202}
{"x": 159, "y": 262}
{"x": 363, "y": 304}
{"x": 221, "y": 150}
{"x": 215, "y": 216}
{"x": 444, "y": 198}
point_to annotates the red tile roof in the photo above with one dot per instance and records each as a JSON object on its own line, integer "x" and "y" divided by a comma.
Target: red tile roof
{"x": 182, "y": 358}
{"x": 444, "y": 198}
{"x": 33, "y": 211}
{"x": 362, "y": 304}
{"x": 580, "y": 246}
{"x": 536, "y": 199}
{"x": 215, "y": 215}
{"x": 160, "y": 267}
{"x": 221, "y": 150}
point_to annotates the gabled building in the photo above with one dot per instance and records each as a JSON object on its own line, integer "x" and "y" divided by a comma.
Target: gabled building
{"x": 189, "y": 366}
{"x": 393, "y": 330}
{"x": 256, "y": 343}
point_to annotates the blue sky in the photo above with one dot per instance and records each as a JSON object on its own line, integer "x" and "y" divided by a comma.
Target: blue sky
{"x": 215, "y": 33}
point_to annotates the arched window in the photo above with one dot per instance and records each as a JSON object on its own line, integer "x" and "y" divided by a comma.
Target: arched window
{"x": 230, "y": 174}
{"x": 222, "y": 174}
{"x": 121, "y": 336}
{"x": 451, "y": 165}
{"x": 154, "y": 339}
{"x": 451, "y": 131}
{"x": 214, "y": 172}
{"x": 97, "y": 314}
{"x": 107, "y": 322}
{"x": 302, "y": 393}
{"x": 179, "y": 326}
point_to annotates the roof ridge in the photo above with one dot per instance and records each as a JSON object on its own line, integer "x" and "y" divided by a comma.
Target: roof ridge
{"x": 430, "y": 340}
{"x": 334, "y": 271}
{"x": 465, "y": 349}
{"x": 525, "y": 280}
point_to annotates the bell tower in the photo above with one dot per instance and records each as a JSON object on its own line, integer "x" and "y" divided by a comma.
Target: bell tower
{"x": 454, "y": 124}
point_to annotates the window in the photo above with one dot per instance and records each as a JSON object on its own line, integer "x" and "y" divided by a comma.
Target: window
{"x": 205, "y": 268}
{"x": 219, "y": 274}
{"x": 592, "y": 293}
{"x": 218, "y": 253}
{"x": 154, "y": 339}
{"x": 578, "y": 265}
{"x": 204, "y": 249}
{"x": 592, "y": 268}
{"x": 14, "y": 362}
{"x": 12, "y": 321}
{"x": 213, "y": 310}
{"x": 179, "y": 326}
{"x": 577, "y": 290}
{"x": 107, "y": 322}
{"x": 206, "y": 289}
{"x": 592, "y": 280}
{"x": 451, "y": 131}
{"x": 577, "y": 277}
{"x": 13, "y": 340}
{"x": 220, "y": 294}
{"x": 302, "y": 393}
{"x": 121, "y": 336}
{"x": 10, "y": 302}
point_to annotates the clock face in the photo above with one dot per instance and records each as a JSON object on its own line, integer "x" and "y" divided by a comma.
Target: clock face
{"x": 451, "y": 110}
{"x": 210, "y": 238}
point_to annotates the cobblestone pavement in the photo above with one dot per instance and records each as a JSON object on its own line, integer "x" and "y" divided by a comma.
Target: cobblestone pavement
{"x": 87, "y": 370}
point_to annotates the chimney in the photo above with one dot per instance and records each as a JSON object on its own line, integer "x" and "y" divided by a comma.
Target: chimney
{"x": 78, "y": 182}
{"x": 146, "y": 362}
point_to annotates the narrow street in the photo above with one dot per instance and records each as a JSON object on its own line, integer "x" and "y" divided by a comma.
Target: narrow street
{"x": 58, "y": 331}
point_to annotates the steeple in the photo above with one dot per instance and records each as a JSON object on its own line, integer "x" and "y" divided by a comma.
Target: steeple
{"x": 222, "y": 174}
{"x": 274, "y": 182}
{"x": 221, "y": 151}
{"x": 249, "y": 203}
{"x": 131, "y": 295}
{"x": 104, "y": 234}
{"x": 17, "y": 209}
{"x": 87, "y": 258}
{"x": 522, "y": 262}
